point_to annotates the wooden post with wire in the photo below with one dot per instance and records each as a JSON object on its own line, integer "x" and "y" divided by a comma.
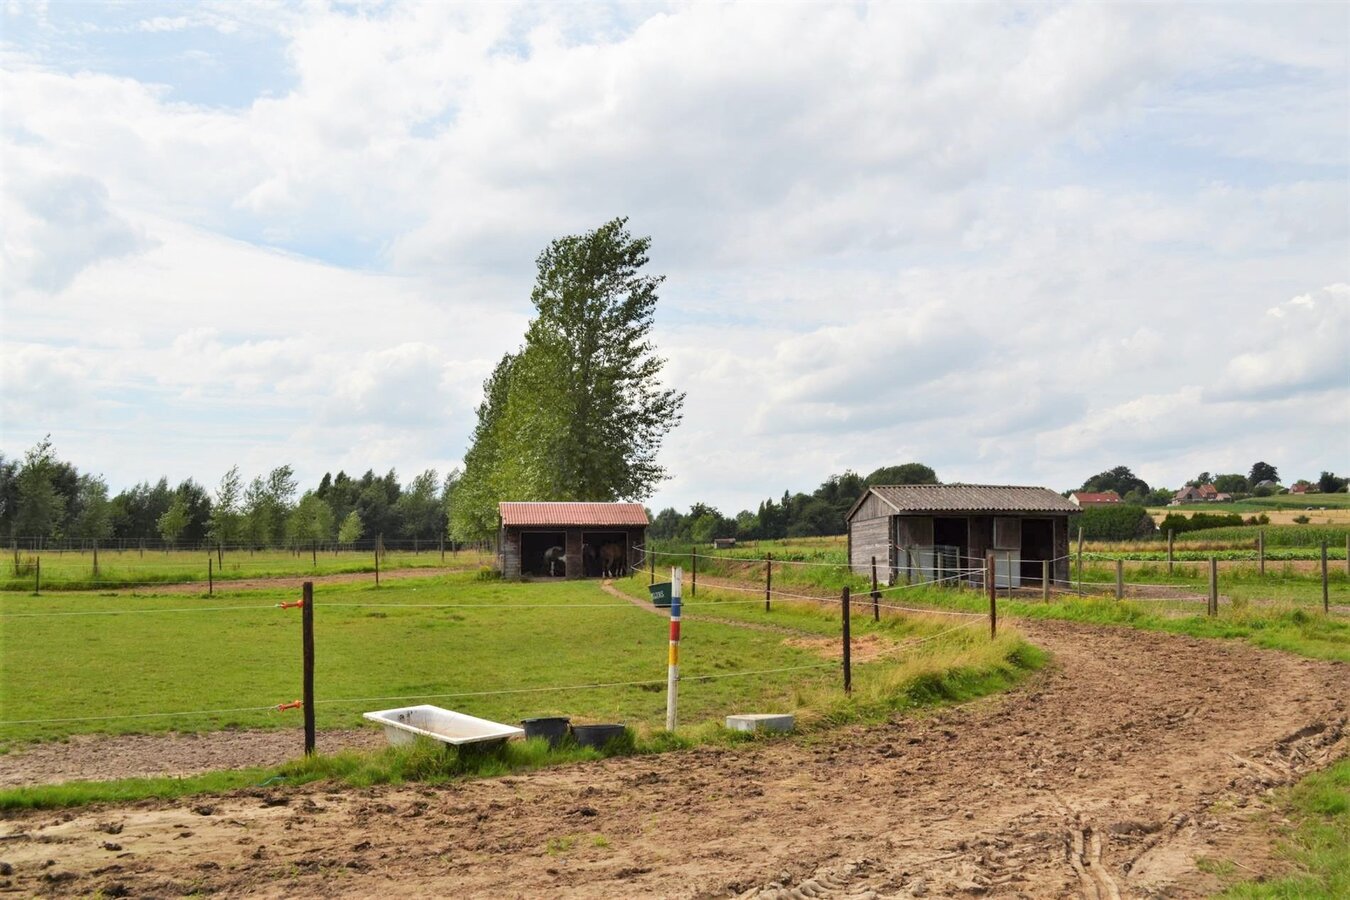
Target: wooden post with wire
{"x": 377, "y": 563}
{"x": 673, "y": 659}
{"x": 768, "y": 579}
{"x": 1213, "y": 586}
{"x": 693, "y": 565}
{"x": 848, "y": 655}
{"x": 314, "y": 553}
{"x": 651, "y": 561}
{"x": 1045, "y": 580}
{"x": 307, "y": 647}
{"x": 1120, "y": 579}
{"x": 1326, "y": 602}
{"x": 1080, "y": 561}
{"x": 991, "y": 584}
{"x": 876, "y": 594}
{"x": 95, "y": 559}
{"x": 210, "y": 575}
{"x": 442, "y": 549}
{"x": 37, "y": 574}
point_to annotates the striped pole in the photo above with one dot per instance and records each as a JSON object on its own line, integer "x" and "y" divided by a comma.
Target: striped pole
{"x": 673, "y": 665}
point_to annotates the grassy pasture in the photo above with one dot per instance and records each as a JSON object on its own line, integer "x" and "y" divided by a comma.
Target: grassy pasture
{"x": 74, "y": 569}
{"x": 132, "y": 655}
{"x": 1315, "y": 817}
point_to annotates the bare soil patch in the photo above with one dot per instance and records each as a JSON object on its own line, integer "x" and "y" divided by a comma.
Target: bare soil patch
{"x": 102, "y": 758}
{"x": 1106, "y": 776}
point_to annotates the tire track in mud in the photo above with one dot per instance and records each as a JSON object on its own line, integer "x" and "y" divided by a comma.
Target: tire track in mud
{"x": 1106, "y": 775}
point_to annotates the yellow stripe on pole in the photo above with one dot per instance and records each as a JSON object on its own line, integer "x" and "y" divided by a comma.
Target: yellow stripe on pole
{"x": 674, "y": 655}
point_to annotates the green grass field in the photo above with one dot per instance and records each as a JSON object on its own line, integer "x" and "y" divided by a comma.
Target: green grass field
{"x": 74, "y": 570}
{"x": 81, "y": 655}
{"x": 1315, "y": 817}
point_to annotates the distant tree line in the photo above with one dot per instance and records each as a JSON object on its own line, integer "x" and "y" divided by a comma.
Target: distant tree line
{"x": 44, "y": 497}
{"x": 820, "y": 512}
{"x": 1262, "y": 481}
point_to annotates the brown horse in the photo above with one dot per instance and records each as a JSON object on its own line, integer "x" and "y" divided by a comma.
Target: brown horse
{"x": 611, "y": 561}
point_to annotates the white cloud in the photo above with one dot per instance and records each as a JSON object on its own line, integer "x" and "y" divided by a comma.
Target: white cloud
{"x": 1016, "y": 243}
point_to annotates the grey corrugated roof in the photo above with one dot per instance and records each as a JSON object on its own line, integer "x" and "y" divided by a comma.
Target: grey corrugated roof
{"x": 905, "y": 498}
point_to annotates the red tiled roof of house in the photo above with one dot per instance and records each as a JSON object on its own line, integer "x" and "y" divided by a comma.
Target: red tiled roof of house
{"x": 1090, "y": 497}
{"x": 573, "y": 514}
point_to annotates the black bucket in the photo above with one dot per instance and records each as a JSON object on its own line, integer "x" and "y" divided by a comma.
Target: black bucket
{"x": 597, "y": 736}
{"x": 551, "y": 728}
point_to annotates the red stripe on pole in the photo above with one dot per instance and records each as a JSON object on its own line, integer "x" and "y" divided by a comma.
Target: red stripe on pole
{"x": 674, "y": 629}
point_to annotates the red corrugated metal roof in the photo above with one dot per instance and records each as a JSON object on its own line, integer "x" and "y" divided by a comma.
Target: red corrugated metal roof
{"x": 573, "y": 514}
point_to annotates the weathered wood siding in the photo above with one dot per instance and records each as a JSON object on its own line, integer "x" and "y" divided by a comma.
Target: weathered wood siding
{"x": 509, "y": 552}
{"x": 870, "y": 538}
{"x": 914, "y": 531}
{"x": 981, "y": 540}
{"x": 1061, "y": 564}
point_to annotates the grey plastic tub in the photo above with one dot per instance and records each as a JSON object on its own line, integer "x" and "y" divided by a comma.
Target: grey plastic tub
{"x": 551, "y": 728}
{"x": 596, "y": 736}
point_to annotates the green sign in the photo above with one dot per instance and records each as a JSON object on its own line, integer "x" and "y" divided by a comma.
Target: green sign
{"x": 660, "y": 594}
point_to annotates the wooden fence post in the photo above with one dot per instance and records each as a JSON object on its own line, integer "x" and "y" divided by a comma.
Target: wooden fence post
{"x": 377, "y": 564}
{"x": 442, "y": 549}
{"x": 307, "y": 648}
{"x": 1120, "y": 579}
{"x": 876, "y": 594}
{"x": 768, "y": 579}
{"x": 210, "y": 575}
{"x": 651, "y": 561}
{"x": 95, "y": 560}
{"x": 1261, "y": 550}
{"x": 693, "y": 571}
{"x": 991, "y": 584}
{"x": 1080, "y": 560}
{"x": 1326, "y": 605}
{"x": 37, "y": 575}
{"x": 1213, "y": 586}
{"x": 848, "y": 649}
{"x": 1171, "y": 535}
{"x": 1045, "y": 580}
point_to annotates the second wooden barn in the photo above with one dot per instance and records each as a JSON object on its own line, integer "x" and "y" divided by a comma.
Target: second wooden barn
{"x": 933, "y": 531}
{"x": 569, "y": 540}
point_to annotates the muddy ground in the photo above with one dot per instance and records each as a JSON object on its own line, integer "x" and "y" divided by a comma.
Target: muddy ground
{"x": 1107, "y": 775}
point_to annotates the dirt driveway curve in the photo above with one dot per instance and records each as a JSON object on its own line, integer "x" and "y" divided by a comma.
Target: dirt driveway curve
{"x": 1105, "y": 777}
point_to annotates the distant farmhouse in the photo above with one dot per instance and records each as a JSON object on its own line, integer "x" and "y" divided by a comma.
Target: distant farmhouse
{"x": 1089, "y": 498}
{"x": 1205, "y": 493}
{"x": 935, "y": 531}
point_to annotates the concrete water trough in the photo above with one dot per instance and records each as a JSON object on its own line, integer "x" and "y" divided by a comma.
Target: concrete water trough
{"x": 782, "y": 722}
{"x": 407, "y": 723}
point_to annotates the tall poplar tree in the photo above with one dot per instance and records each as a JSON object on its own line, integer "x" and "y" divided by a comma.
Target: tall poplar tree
{"x": 580, "y": 412}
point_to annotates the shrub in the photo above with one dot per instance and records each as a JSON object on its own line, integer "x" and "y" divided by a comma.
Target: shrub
{"x": 1199, "y": 522}
{"x": 1116, "y": 523}
{"x": 1301, "y": 520}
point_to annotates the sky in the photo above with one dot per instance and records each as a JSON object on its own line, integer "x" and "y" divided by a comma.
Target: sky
{"x": 1021, "y": 243}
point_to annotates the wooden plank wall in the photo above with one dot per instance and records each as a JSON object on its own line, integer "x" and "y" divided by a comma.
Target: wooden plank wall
{"x": 510, "y": 552}
{"x": 869, "y": 538}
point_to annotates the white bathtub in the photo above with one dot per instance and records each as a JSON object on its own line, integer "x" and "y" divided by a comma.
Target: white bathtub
{"x": 405, "y": 724}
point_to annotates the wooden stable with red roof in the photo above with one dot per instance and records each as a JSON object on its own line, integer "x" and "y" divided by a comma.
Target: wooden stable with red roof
{"x": 570, "y": 540}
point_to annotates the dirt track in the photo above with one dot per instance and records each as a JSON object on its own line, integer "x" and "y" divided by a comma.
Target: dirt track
{"x": 1107, "y": 776}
